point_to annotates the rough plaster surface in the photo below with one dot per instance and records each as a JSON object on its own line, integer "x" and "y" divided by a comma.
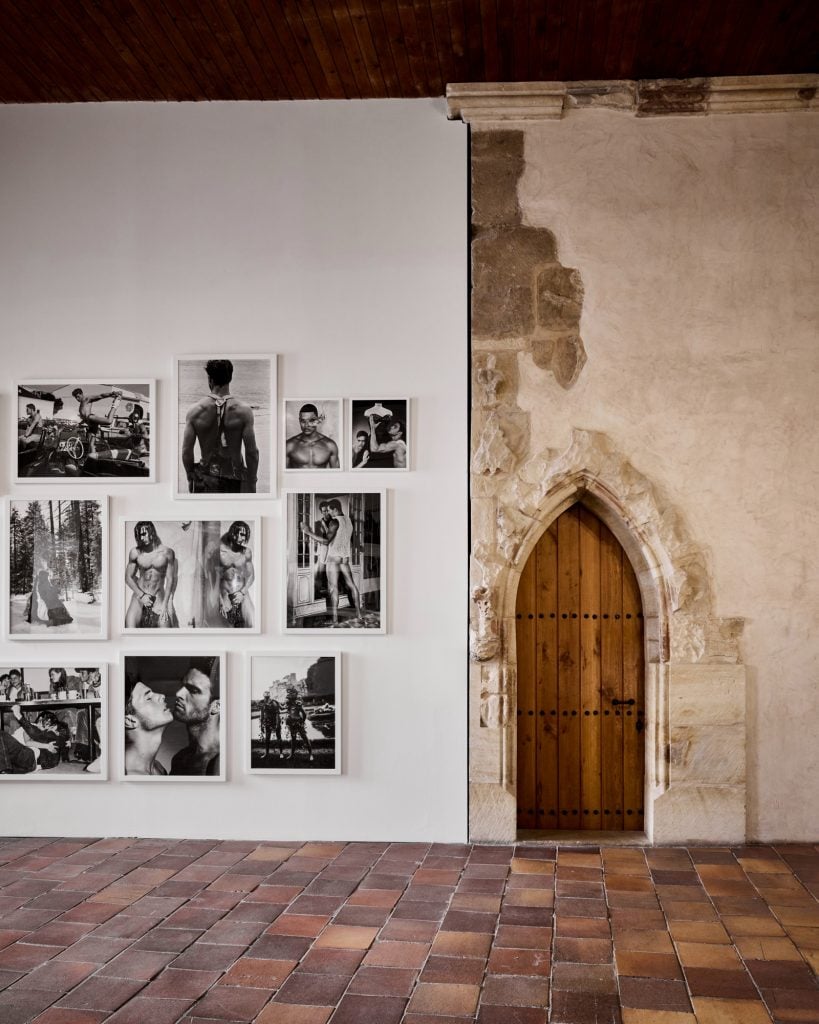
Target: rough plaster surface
{"x": 698, "y": 245}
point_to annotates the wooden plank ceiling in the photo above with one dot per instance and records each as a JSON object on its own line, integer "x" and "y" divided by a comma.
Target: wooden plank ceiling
{"x": 55, "y": 51}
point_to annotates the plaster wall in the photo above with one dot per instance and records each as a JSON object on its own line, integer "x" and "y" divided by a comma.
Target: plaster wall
{"x": 335, "y": 235}
{"x": 696, "y": 242}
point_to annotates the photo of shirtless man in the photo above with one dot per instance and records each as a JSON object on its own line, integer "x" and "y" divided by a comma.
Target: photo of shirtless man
{"x": 89, "y": 418}
{"x": 338, "y": 542}
{"x": 151, "y": 574}
{"x": 310, "y": 449}
{"x": 222, "y": 425}
{"x": 236, "y": 573}
{"x": 32, "y": 431}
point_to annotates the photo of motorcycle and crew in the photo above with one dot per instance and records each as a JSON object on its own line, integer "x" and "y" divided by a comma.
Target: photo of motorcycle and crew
{"x": 83, "y": 429}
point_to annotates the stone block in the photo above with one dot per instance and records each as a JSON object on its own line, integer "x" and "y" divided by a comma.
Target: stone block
{"x": 493, "y": 814}
{"x": 713, "y": 754}
{"x": 564, "y": 355}
{"x": 504, "y": 266}
{"x": 559, "y": 298}
{"x": 497, "y": 165}
{"x": 700, "y": 814}
{"x": 709, "y": 694}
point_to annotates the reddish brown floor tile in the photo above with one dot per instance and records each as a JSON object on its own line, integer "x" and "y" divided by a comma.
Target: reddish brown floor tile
{"x": 708, "y": 981}
{"x": 57, "y": 1015}
{"x": 460, "y": 1000}
{"x": 650, "y": 994}
{"x": 571, "y": 1007}
{"x": 454, "y": 970}
{"x": 312, "y": 989}
{"x": 365, "y": 1010}
{"x": 231, "y": 1004}
{"x": 531, "y": 962}
{"x": 509, "y": 1015}
{"x": 97, "y": 993}
{"x": 143, "y": 1009}
{"x": 288, "y": 1013}
{"x": 583, "y": 951}
{"x": 249, "y": 973}
{"x": 509, "y": 990}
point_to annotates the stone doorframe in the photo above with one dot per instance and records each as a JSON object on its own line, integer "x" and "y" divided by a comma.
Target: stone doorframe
{"x": 695, "y": 686}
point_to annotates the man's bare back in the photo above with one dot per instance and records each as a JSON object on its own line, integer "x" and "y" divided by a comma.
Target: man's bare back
{"x": 223, "y": 428}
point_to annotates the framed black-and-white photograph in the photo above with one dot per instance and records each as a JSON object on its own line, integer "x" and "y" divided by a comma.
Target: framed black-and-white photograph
{"x": 226, "y": 426}
{"x": 57, "y": 569}
{"x": 336, "y": 560}
{"x": 379, "y": 436}
{"x": 293, "y": 714}
{"x": 54, "y": 722}
{"x": 312, "y": 433}
{"x": 190, "y": 576}
{"x": 83, "y": 429}
{"x": 173, "y": 717}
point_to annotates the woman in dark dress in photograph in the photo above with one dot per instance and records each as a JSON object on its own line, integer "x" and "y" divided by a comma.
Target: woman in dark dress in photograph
{"x": 45, "y": 591}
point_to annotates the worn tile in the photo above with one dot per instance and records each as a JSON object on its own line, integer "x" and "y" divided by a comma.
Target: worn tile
{"x": 397, "y": 954}
{"x": 355, "y": 1009}
{"x": 510, "y": 990}
{"x": 312, "y": 989}
{"x": 346, "y": 937}
{"x": 531, "y": 962}
{"x": 386, "y": 981}
{"x": 460, "y": 1000}
{"x": 231, "y": 1004}
{"x": 289, "y": 1013}
{"x": 730, "y": 1011}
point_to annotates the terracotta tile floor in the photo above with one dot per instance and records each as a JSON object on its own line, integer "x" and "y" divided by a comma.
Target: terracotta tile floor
{"x": 158, "y": 932}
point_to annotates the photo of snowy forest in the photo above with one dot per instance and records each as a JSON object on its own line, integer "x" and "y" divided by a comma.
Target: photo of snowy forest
{"x": 56, "y": 572}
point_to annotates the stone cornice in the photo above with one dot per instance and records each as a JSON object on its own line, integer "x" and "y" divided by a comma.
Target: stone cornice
{"x": 510, "y": 104}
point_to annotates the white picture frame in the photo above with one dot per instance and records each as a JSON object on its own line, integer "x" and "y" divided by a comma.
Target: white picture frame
{"x": 163, "y": 672}
{"x": 37, "y": 675}
{"x": 113, "y": 444}
{"x": 323, "y": 728}
{"x": 193, "y": 543}
{"x": 307, "y": 604}
{"x": 64, "y": 574}
{"x": 323, "y": 419}
{"x": 255, "y": 382}
{"x": 358, "y": 422}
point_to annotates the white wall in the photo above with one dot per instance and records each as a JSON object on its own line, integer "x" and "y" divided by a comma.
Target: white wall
{"x": 697, "y": 240}
{"x": 335, "y": 235}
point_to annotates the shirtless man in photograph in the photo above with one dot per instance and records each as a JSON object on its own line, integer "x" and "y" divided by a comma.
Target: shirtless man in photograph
{"x": 236, "y": 573}
{"x": 339, "y": 552}
{"x": 87, "y": 416}
{"x": 396, "y": 444}
{"x": 223, "y": 426}
{"x": 310, "y": 449}
{"x": 151, "y": 574}
{"x": 146, "y": 716}
{"x": 33, "y": 429}
{"x": 198, "y": 707}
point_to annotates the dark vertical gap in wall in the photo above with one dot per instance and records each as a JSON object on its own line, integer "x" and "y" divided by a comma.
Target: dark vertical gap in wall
{"x": 468, "y": 445}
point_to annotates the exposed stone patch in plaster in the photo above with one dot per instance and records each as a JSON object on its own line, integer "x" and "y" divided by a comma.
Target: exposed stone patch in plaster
{"x": 521, "y": 294}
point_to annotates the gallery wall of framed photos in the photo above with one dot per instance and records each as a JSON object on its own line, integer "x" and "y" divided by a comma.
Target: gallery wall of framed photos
{"x": 256, "y": 583}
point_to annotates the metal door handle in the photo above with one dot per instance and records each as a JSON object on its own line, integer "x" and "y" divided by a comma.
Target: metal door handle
{"x": 625, "y": 702}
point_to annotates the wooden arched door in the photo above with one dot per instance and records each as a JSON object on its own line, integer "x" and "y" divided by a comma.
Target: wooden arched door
{"x": 581, "y": 681}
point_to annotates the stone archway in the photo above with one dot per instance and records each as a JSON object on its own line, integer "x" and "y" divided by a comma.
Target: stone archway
{"x": 695, "y": 703}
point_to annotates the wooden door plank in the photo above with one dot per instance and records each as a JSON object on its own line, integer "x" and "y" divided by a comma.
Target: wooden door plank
{"x": 547, "y": 698}
{"x": 590, "y": 669}
{"x": 527, "y": 672}
{"x": 633, "y": 689}
{"x": 611, "y": 603}
{"x": 568, "y": 564}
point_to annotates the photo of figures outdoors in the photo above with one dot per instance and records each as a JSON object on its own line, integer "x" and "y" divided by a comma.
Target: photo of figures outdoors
{"x": 52, "y": 722}
{"x": 174, "y": 721}
{"x": 190, "y": 575}
{"x": 56, "y": 582}
{"x": 79, "y": 429}
{"x": 335, "y": 561}
{"x": 295, "y": 721}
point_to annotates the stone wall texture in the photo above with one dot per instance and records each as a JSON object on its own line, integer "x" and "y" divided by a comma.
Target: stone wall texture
{"x": 685, "y": 255}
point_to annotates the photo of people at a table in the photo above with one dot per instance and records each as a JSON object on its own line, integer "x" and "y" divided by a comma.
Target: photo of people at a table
{"x": 51, "y": 721}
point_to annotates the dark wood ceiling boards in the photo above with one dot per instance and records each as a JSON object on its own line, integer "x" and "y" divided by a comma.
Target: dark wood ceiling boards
{"x": 93, "y": 50}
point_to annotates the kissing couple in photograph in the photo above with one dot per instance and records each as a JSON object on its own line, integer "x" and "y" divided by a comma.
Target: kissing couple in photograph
{"x": 196, "y": 705}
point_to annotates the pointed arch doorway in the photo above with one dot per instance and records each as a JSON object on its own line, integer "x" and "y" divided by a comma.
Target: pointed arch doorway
{"x": 580, "y": 681}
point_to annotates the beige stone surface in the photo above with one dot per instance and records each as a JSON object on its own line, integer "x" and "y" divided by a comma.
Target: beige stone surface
{"x": 707, "y": 753}
{"x": 492, "y": 814}
{"x": 707, "y": 694}
{"x": 699, "y": 813}
{"x": 697, "y": 240}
